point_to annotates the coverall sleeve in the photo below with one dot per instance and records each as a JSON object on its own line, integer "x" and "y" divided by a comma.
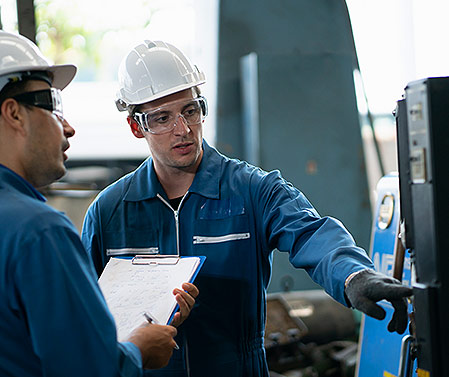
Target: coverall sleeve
{"x": 320, "y": 245}
{"x": 71, "y": 329}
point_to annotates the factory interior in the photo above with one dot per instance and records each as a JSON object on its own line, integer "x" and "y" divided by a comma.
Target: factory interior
{"x": 347, "y": 99}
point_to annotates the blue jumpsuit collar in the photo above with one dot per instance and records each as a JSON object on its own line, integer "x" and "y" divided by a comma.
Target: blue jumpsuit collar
{"x": 9, "y": 178}
{"x": 144, "y": 183}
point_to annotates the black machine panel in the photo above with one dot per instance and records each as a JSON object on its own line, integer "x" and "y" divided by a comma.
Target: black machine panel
{"x": 422, "y": 119}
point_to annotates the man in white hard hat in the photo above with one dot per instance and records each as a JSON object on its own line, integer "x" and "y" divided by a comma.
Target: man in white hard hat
{"x": 53, "y": 318}
{"x": 190, "y": 198}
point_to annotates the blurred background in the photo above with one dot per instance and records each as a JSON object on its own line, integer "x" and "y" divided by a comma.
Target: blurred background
{"x": 396, "y": 41}
{"x": 306, "y": 87}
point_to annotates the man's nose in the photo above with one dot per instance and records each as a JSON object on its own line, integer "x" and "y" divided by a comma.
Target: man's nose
{"x": 181, "y": 127}
{"x": 69, "y": 131}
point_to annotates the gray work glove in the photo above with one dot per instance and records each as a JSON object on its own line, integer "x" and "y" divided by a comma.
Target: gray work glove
{"x": 368, "y": 287}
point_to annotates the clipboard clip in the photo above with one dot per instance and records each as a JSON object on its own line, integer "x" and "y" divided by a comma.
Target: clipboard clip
{"x": 155, "y": 260}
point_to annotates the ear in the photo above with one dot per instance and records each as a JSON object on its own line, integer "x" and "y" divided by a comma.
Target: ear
{"x": 135, "y": 128}
{"x": 13, "y": 115}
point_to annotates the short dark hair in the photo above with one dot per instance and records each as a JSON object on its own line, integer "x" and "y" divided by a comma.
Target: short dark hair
{"x": 197, "y": 91}
{"x": 12, "y": 89}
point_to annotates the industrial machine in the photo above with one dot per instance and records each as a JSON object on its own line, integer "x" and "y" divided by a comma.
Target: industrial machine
{"x": 409, "y": 243}
{"x": 423, "y": 142}
{"x": 381, "y": 353}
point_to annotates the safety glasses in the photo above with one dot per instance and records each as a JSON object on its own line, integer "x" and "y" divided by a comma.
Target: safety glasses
{"x": 48, "y": 99}
{"x": 163, "y": 119}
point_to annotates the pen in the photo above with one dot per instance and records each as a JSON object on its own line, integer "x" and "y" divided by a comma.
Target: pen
{"x": 151, "y": 320}
{"x": 148, "y": 318}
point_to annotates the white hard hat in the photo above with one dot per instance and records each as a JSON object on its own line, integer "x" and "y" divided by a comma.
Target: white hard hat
{"x": 152, "y": 70}
{"x": 19, "y": 58}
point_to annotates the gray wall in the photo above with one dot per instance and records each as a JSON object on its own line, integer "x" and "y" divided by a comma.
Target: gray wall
{"x": 291, "y": 105}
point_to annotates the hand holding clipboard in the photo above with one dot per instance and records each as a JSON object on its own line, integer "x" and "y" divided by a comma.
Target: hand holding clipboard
{"x": 147, "y": 284}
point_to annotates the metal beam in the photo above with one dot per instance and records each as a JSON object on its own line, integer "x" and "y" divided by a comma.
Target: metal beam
{"x": 26, "y": 19}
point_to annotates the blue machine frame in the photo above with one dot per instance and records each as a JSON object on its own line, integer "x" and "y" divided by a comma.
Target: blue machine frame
{"x": 379, "y": 350}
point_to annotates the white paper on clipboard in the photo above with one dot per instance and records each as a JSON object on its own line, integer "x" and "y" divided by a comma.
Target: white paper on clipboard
{"x": 146, "y": 285}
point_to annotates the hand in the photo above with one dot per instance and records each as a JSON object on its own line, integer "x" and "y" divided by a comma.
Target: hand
{"x": 368, "y": 287}
{"x": 185, "y": 299}
{"x": 156, "y": 344}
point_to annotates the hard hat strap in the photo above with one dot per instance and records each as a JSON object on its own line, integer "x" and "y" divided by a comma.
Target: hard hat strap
{"x": 48, "y": 99}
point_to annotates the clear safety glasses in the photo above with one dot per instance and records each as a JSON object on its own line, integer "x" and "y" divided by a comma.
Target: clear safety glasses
{"x": 163, "y": 119}
{"x": 48, "y": 99}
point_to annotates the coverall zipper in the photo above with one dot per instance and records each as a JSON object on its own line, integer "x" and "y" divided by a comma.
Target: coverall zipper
{"x": 176, "y": 214}
{"x": 132, "y": 251}
{"x": 218, "y": 239}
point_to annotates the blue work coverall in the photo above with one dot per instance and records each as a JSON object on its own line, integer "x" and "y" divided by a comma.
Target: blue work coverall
{"x": 235, "y": 214}
{"x": 53, "y": 319}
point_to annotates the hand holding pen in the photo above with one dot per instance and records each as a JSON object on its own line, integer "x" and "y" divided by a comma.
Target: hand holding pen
{"x": 155, "y": 343}
{"x": 151, "y": 319}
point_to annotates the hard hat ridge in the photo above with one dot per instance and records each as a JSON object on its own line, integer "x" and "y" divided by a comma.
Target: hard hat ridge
{"x": 152, "y": 70}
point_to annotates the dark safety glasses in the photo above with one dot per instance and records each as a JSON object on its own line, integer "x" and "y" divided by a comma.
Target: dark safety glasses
{"x": 48, "y": 99}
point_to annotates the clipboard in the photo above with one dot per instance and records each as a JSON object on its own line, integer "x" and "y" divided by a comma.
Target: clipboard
{"x": 144, "y": 284}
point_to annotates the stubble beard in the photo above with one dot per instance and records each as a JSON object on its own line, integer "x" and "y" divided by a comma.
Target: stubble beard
{"x": 45, "y": 168}
{"x": 182, "y": 165}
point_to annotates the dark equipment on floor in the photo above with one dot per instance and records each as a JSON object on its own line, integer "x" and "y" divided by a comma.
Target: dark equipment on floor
{"x": 308, "y": 334}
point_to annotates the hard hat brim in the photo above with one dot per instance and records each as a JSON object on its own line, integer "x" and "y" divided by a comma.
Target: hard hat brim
{"x": 165, "y": 93}
{"x": 62, "y": 75}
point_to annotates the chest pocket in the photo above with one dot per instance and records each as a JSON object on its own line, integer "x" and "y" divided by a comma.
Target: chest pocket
{"x": 131, "y": 242}
{"x": 222, "y": 209}
{"x": 221, "y": 221}
{"x": 222, "y": 233}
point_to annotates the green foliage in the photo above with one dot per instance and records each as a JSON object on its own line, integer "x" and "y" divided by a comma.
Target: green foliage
{"x": 73, "y": 31}
{"x": 62, "y": 39}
